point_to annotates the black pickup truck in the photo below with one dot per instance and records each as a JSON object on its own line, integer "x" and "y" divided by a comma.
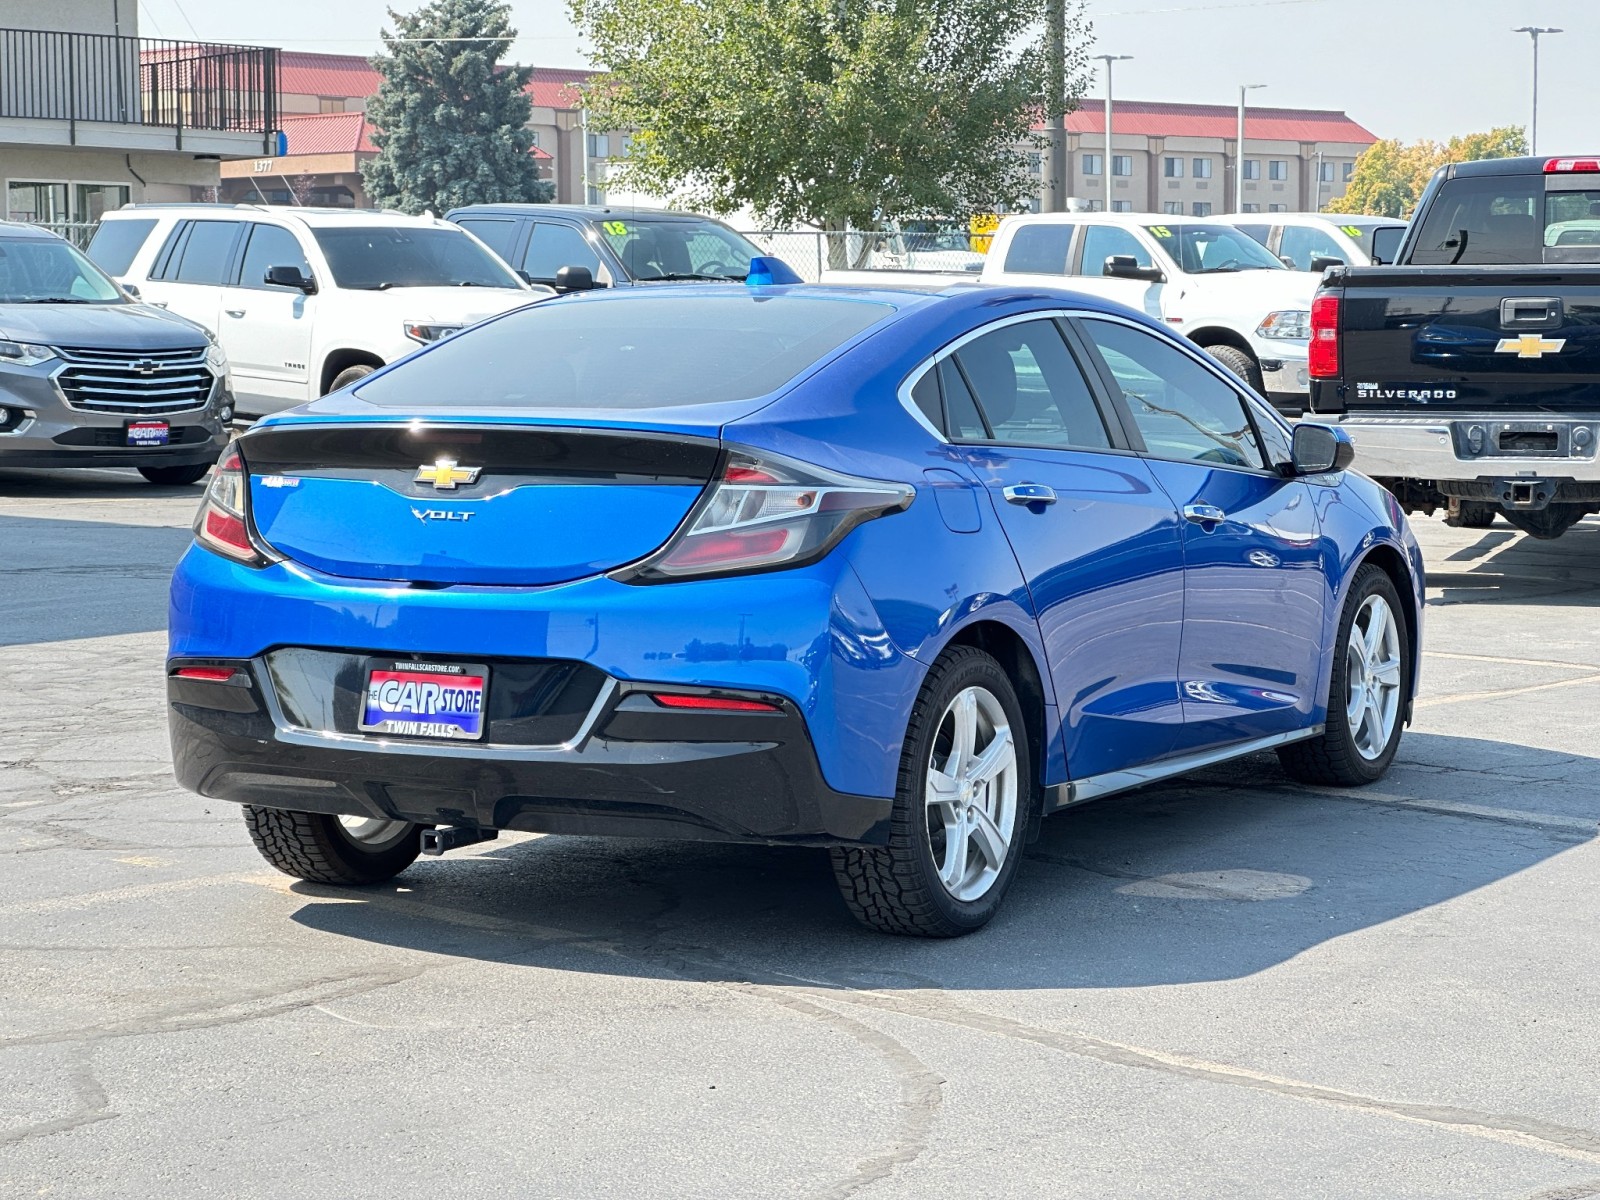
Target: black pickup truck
{"x": 1468, "y": 372}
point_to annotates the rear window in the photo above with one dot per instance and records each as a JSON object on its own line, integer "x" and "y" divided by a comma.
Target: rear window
{"x": 1509, "y": 219}
{"x": 627, "y": 352}
{"x": 116, "y": 242}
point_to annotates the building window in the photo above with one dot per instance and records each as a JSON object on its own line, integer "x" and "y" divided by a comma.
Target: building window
{"x": 1096, "y": 206}
{"x": 1349, "y": 170}
{"x": 1252, "y": 168}
{"x": 1122, "y": 206}
{"x": 1173, "y": 208}
{"x": 1278, "y": 169}
{"x": 1093, "y": 164}
{"x": 1202, "y": 208}
{"x": 1277, "y": 208}
{"x": 1325, "y": 172}
{"x": 330, "y": 104}
{"x": 1172, "y": 168}
{"x": 1202, "y": 168}
{"x": 61, "y": 203}
{"x": 1036, "y": 164}
{"x": 1252, "y": 208}
{"x": 599, "y": 146}
{"x": 1122, "y": 164}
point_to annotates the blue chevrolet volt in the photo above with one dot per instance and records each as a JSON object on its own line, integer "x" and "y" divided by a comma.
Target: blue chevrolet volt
{"x": 888, "y": 572}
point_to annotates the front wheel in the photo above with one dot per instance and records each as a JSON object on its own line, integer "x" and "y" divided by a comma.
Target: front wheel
{"x": 321, "y": 848}
{"x": 1240, "y": 363}
{"x": 176, "y": 476}
{"x": 1366, "y": 704}
{"x": 964, "y": 793}
{"x": 350, "y": 375}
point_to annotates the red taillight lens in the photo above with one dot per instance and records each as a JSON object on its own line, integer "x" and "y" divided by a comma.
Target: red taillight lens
{"x": 1323, "y": 360}
{"x": 223, "y": 524}
{"x": 767, "y": 512}
{"x": 713, "y": 703}
{"x": 206, "y": 674}
{"x": 1575, "y": 166}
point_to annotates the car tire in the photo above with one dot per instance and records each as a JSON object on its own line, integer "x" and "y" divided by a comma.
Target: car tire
{"x": 349, "y": 375}
{"x": 939, "y": 875}
{"x": 1365, "y": 718}
{"x": 176, "y": 476}
{"x": 1473, "y": 514}
{"x": 1240, "y": 363}
{"x": 320, "y": 848}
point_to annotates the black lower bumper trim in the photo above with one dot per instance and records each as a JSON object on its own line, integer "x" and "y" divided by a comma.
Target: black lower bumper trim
{"x": 176, "y": 456}
{"x": 699, "y": 776}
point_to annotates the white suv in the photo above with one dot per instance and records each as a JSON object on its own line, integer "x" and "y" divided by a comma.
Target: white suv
{"x": 306, "y": 300}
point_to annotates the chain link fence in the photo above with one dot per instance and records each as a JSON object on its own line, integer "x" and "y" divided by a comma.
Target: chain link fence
{"x": 76, "y": 232}
{"x": 927, "y": 246}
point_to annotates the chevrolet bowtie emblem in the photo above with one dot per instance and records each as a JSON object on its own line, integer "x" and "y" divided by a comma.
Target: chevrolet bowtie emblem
{"x": 1530, "y": 345}
{"x": 446, "y": 475}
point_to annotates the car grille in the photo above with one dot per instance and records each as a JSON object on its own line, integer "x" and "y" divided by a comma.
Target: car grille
{"x": 139, "y": 383}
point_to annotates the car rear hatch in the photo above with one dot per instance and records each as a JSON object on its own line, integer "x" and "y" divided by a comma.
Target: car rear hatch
{"x": 468, "y": 502}
{"x": 1517, "y": 340}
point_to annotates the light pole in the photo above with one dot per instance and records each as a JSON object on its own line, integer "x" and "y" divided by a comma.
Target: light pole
{"x": 1534, "y": 31}
{"x": 1238, "y": 150}
{"x": 1055, "y": 160}
{"x": 1108, "y": 59}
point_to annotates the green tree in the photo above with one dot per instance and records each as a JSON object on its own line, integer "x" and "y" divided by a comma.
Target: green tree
{"x": 1389, "y": 177}
{"x": 449, "y": 122}
{"x": 839, "y": 113}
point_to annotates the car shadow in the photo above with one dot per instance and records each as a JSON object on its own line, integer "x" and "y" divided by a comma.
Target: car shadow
{"x": 1213, "y": 877}
{"x": 1506, "y": 566}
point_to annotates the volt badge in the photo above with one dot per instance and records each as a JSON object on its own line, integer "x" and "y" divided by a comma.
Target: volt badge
{"x": 446, "y": 475}
{"x": 1530, "y": 345}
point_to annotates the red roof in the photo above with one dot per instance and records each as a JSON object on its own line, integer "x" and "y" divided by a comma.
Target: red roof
{"x": 329, "y": 133}
{"x": 1146, "y": 118}
{"x": 301, "y": 73}
{"x": 552, "y": 87}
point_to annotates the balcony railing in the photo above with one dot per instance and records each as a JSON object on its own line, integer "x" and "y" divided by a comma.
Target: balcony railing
{"x": 79, "y": 77}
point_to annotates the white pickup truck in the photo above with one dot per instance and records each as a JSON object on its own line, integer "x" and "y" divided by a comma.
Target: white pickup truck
{"x": 1204, "y": 279}
{"x": 306, "y": 300}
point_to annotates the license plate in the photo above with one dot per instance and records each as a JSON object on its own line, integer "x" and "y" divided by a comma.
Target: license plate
{"x": 149, "y": 433}
{"x": 430, "y": 700}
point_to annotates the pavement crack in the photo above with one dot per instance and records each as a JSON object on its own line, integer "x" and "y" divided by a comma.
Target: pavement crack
{"x": 92, "y": 1105}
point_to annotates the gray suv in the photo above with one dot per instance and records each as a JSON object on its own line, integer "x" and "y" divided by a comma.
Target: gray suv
{"x": 90, "y": 377}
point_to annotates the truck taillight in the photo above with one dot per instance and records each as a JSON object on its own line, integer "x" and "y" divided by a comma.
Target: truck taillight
{"x": 1572, "y": 166}
{"x": 1323, "y": 362}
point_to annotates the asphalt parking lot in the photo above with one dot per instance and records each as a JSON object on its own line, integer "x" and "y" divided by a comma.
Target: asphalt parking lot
{"x": 1230, "y": 986}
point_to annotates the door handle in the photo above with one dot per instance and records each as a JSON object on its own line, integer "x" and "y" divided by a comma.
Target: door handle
{"x": 1204, "y": 514}
{"x": 234, "y": 312}
{"x": 1029, "y": 493}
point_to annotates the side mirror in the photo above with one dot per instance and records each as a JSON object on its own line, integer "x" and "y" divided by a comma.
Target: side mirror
{"x": 1386, "y": 241}
{"x": 290, "y": 277}
{"x": 1126, "y": 266}
{"x": 1321, "y": 262}
{"x": 131, "y": 290}
{"x": 575, "y": 279}
{"x": 1321, "y": 450}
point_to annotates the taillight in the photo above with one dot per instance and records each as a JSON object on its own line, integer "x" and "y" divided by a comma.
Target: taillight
{"x": 1575, "y": 166}
{"x": 712, "y": 703}
{"x": 1323, "y": 361}
{"x": 206, "y": 674}
{"x": 223, "y": 522}
{"x": 765, "y": 512}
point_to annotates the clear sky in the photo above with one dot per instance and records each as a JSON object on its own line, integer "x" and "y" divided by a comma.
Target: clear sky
{"x": 1403, "y": 68}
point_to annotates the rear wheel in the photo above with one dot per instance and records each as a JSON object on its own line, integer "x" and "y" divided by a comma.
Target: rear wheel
{"x": 176, "y": 476}
{"x": 1240, "y": 363}
{"x": 1471, "y": 514}
{"x": 328, "y": 849}
{"x": 349, "y": 375}
{"x": 965, "y": 785}
{"x": 1366, "y": 704}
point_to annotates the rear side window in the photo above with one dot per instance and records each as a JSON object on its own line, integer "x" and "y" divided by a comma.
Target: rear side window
{"x": 628, "y": 351}
{"x": 497, "y": 233}
{"x": 198, "y": 252}
{"x": 1039, "y": 250}
{"x": 1031, "y": 389}
{"x": 115, "y": 243}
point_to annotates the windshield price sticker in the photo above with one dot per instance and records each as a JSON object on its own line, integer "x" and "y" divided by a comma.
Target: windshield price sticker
{"x": 1161, "y": 231}
{"x": 616, "y": 228}
{"x": 1351, "y": 230}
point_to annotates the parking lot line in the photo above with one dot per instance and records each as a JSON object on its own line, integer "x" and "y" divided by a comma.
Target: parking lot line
{"x": 1464, "y": 697}
{"x": 1511, "y": 662}
{"x": 1483, "y": 812}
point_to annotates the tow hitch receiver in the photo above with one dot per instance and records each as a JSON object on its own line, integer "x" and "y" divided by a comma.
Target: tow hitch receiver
{"x": 1530, "y": 494}
{"x": 452, "y": 837}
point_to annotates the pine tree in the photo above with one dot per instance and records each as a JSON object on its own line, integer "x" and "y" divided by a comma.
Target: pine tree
{"x": 449, "y": 122}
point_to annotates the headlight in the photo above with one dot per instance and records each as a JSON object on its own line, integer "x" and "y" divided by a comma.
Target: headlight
{"x": 423, "y": 331}
{"x": 217, "y": 358}
{"x": 24, "y": 354}
{"x": 1291, "y": 323}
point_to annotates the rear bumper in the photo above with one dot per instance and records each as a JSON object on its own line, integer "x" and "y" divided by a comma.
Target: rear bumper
{"x": 629, "y": 768}
{"x": 1439, "y": 448}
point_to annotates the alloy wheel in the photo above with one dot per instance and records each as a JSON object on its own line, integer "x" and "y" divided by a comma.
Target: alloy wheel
{"x": 971, "y": 794}
{"x": 1372, "y": 677}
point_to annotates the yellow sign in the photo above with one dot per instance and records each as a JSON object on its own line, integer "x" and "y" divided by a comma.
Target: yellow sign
{"x": 616, "y": 228}
{"x": 446, "y": 476}
{"x": 980, "y": 230}
{"x": 1530, "y": 345}
{"x": 1351, "y": 230}
{"x": 1161, "y": 231}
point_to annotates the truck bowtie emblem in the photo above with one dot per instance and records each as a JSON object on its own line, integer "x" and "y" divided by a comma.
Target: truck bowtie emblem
{"x": 1530, "y": 345}
{"x": 446, "y": 476}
